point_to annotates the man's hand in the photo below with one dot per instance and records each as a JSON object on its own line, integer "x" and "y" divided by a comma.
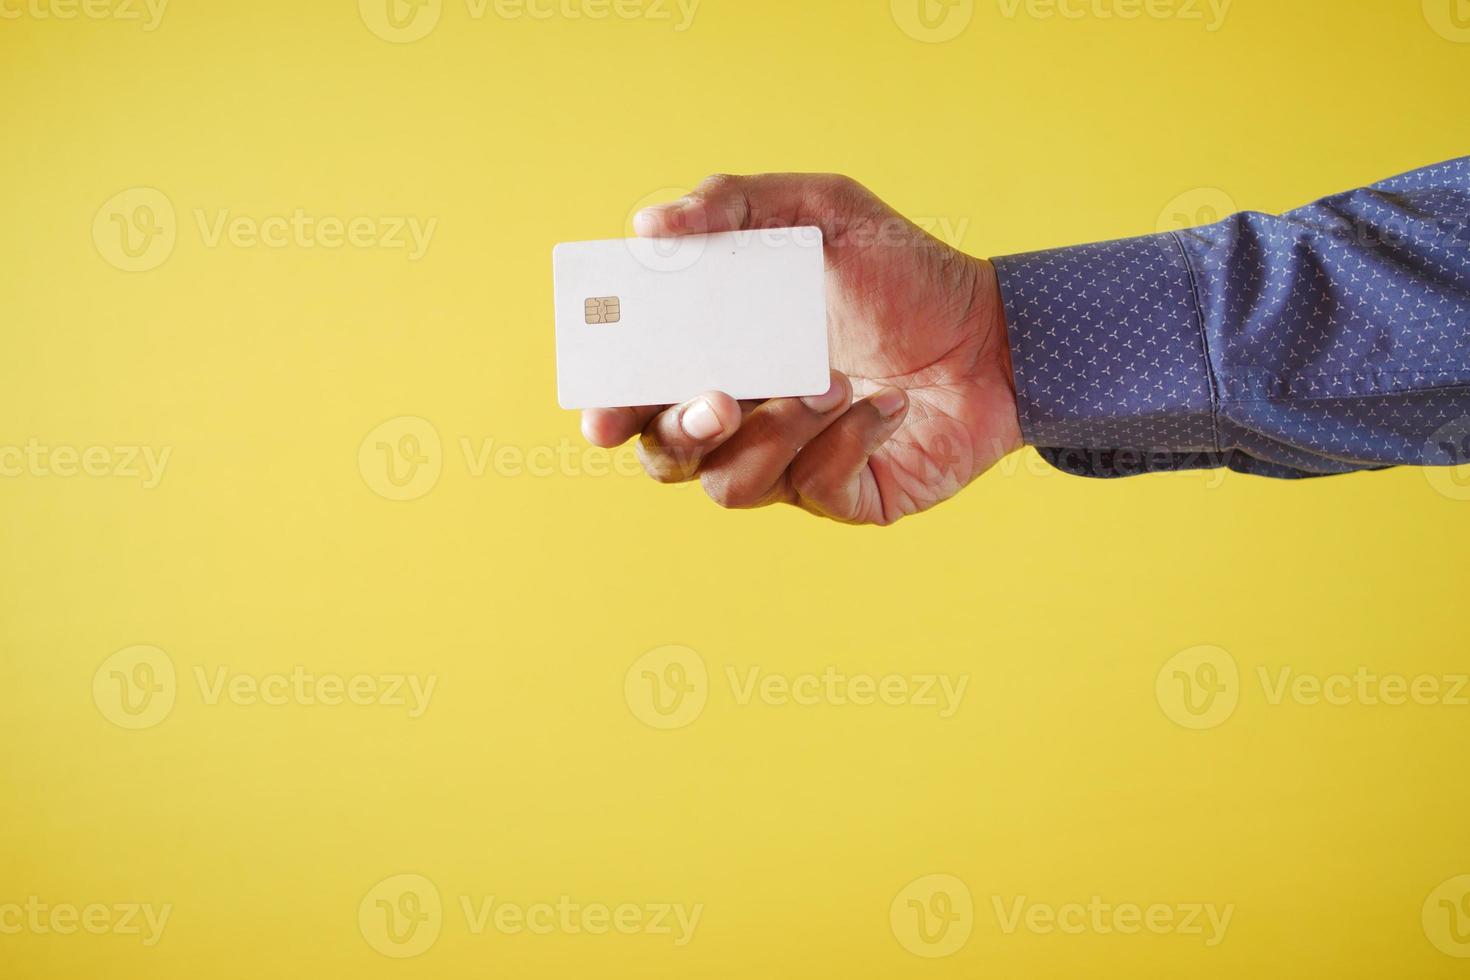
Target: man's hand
{"x": 916, "y": 332}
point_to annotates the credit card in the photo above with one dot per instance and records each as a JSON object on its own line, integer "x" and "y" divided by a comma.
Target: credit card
{"x": 656, "y": 321}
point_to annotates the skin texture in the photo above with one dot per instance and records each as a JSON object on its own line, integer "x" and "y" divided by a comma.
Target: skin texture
{"x": 922, "y": 399}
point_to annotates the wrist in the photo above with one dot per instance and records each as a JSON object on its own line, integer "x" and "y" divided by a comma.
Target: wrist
{"x": 987, "y": 319}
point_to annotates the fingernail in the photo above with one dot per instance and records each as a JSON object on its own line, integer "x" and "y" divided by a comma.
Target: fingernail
{"x": 651, "y": 220}
{"x": 699, "y": 420}
{"x": 889, "y": 402}
{"x": 645, "y": 222}
{"x": 826, "y": 402}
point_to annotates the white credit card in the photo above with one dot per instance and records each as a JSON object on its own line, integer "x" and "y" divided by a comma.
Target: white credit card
{"x": 656, "y": 321}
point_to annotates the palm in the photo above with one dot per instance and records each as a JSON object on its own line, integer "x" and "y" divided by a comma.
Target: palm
{"x": 909, "y": 311}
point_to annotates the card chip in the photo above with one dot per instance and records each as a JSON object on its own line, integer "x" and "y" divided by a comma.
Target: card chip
{"x": 603, "y": 309}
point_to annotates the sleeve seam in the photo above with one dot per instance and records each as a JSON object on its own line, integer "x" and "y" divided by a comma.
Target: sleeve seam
{"x": 1204, "y": 339}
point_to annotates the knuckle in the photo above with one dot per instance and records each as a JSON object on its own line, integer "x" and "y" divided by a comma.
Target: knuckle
{"x": 726, "y": 192}
{"x": 715, "y": 183}
{"x": 813, "y": 484}
{"x": 840, "y": 187}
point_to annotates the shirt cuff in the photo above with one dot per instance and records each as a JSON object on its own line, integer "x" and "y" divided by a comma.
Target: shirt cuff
{"x": 1108, "y": 348}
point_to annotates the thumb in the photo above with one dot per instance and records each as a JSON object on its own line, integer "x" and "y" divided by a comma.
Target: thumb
{"x": 728, "y": 203}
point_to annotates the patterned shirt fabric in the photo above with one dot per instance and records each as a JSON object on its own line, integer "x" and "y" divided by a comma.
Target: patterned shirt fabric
{"x": 1329, "y": 339}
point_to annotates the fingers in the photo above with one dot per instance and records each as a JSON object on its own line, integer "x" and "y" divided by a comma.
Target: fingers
{"x": 750, "y": 469}
{"x": 611, "y": 427}
{"x": 812, "y": 452}
{"x": 831, "y": 476}
{"x": 676, "y": 441}
{"x": 728, "y": 203}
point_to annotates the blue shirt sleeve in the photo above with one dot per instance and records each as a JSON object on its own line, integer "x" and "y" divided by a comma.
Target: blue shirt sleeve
{"x": 1329, "y": 339}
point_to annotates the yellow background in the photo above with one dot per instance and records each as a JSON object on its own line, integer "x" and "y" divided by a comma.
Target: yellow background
{"x": 529, "y": 776}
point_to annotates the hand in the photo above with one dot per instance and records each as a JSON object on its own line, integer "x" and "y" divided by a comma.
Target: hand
{"x": 916, "y": 331}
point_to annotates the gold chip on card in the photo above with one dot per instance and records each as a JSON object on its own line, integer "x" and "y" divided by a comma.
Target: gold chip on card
{"x": 603, "y": 309}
